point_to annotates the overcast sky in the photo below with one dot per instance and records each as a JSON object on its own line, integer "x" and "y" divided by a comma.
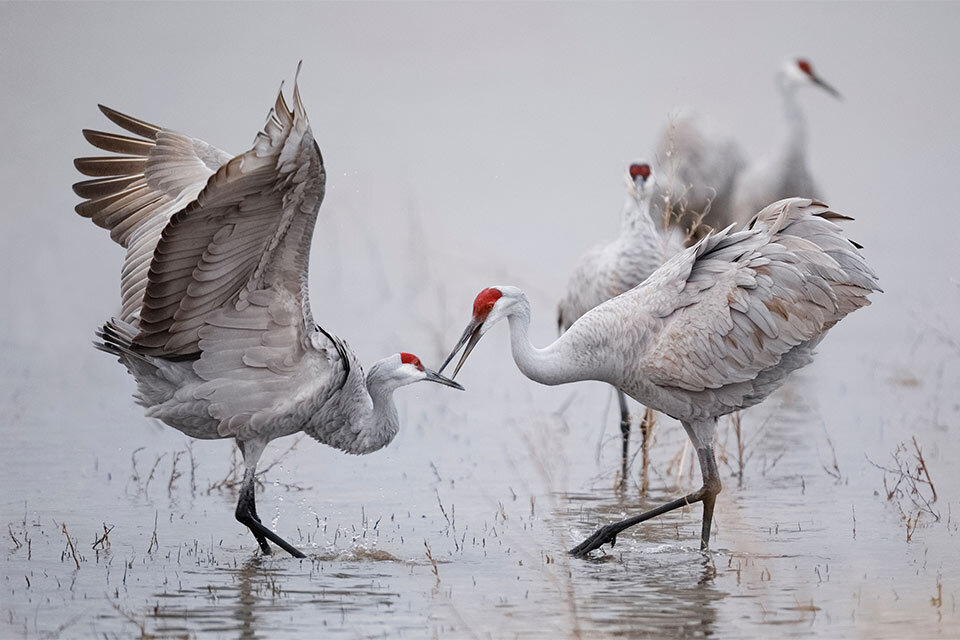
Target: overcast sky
{"x": 469, "y": 145}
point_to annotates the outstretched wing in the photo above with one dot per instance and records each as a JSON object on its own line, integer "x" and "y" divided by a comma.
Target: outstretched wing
{"x": 733, "y": 305}
{"x": 134, "y": 193}
{"x": 237, "y": 255}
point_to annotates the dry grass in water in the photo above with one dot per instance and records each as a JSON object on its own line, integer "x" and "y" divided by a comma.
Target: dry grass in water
{"x": 744, "y": 448}
{"x": 70, "y": 545}
{"x": 433, "y": 562}
{"x": 103, "y": 541}
{"x": 908, "y": 484}
{"x": 674, "y": 205}
{"x": 234, "y": 477}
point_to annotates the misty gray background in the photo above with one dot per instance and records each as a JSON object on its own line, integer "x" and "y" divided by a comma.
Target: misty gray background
{"x": 502, "y": 130}
{"x": 466, "y": 145}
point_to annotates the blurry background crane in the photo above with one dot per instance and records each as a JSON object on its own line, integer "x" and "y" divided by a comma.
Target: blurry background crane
{"x": 697, "y": 167}
{"x": 608, "y": 270}
{"x": 706, "y": 178}
{"x": 783, "y": 172}
{"x": 215, "y": 323}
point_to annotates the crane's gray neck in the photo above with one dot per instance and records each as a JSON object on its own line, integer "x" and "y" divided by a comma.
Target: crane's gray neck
{"x": 551, "y": 365}
{"x": 360, "y": 417}
{"x": 383, "y": 423}
{"x": 636, "y": 220}
{"x": 796, "y": 140}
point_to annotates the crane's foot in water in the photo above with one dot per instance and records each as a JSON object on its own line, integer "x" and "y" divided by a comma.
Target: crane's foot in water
{"x": 246, "y": 514}
{"x": 609, "y": 532}
{"x": 261, "y": 532}
{"x": 603, "y": 535}
{"x": 707, "y": 494}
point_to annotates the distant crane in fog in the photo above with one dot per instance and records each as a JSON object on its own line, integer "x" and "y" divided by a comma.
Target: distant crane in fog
{"x": 783, "y": 173}
{"x": 717, "y": 328}
{"x": 608, "y": 270}
{"x": 697, "y": 168}
{"x": 215, "y": 324}
{"x": 707, "y": 169}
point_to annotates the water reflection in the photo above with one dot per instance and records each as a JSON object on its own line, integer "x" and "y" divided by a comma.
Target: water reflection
{"x": 245, "y": 601}
{"x": 664, "y": 594}
{"x": 655, "y": 581}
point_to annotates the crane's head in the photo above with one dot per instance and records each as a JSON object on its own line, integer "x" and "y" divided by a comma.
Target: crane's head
{"x": 491, "y": 305}
{"x": 402, "y": 369}
{"x": 640, "y": 179}
{"x": 798, "y": 72}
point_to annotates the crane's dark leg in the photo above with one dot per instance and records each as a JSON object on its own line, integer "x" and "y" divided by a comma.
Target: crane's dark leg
{"x": 711, "y": 487}
{"x": 646, "y": 428}
{"x": 625, "y": 435}
{"x": 702, "y": 436}
{"x": 247, "y": 507}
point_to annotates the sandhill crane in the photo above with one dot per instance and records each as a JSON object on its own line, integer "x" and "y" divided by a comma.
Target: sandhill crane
{"x": 708, "y": 169}
{"x": 783, "y": 172}
{"x": 608, "y": 270}
{"x": 215, "y": 324}
{"x": 698, "y": 166}
{"x": 717, "y": 328}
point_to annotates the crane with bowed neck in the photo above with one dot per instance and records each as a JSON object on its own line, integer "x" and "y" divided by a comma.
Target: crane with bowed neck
{"x": 608, "y": 270}
{"x": 717, "y": 328}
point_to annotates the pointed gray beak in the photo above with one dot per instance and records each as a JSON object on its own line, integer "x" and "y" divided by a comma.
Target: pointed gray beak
{"x": 433, "y": 376}
{"x": 470, "y": 337}
{"x": 826, "y": 87}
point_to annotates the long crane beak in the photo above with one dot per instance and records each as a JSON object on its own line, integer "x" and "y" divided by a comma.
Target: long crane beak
{"x": 433, "y": 376}
{"x": 826, "y": 87}
{"x": 470, "y": 337}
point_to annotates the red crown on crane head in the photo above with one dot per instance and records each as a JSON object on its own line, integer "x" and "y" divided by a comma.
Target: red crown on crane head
{"x": 409, "y": 358}
{"x": 639, "y": 170}
{"x": 485, "y": 301}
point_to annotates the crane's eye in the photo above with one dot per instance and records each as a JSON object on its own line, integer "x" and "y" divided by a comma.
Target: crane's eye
{"x": 642, "y": 170}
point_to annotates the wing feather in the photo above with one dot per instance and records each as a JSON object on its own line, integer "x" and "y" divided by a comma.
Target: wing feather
{"x": 216, "y": 268}
{"x": 735, "y": 304}
{"x": 249, "y": 229}
{"x": 135, "y": 193}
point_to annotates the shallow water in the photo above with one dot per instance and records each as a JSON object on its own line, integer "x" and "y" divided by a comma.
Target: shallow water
{"x": 497, "y": 499}
{"x": 458, "y": 529}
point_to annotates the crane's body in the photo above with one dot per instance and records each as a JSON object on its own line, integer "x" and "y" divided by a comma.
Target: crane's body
{"x": 215, "y": 323}
{"x": 717, "y": 328}
{"x": 608, "y": 270}
{"x": 324, "y": 394}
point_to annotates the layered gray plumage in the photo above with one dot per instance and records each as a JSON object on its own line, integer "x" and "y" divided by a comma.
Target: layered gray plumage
{"x": 708, "y": 333}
